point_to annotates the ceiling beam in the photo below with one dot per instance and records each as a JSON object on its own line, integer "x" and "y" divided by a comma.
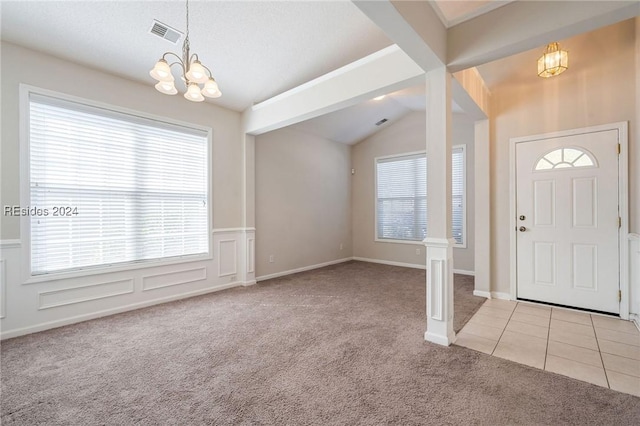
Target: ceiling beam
{"x": 413, "y": 26}
{"x": 523, "y": 25}
{"x": 385, "y": 71}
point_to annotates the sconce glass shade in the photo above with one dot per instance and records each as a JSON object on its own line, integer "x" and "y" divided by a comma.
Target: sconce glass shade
{"x": 554, "y": 61}
{"x": 197, "y": 73}
{"x": 166, "y": 87}
{"x": 193, "y": 93}
{"x": 211, "y": 89}
{"x": 161, "y": 71}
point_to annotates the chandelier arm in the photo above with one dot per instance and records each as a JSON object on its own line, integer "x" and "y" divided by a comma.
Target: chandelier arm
{"x": 208, "y": 70}
{"x": 171, "y": 54}
{"x": 178, "y": 62}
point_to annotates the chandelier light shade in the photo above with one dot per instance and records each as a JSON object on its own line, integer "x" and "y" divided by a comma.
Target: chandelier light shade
{"x": 554, "y": 61}
{"x": 192, "y": 73}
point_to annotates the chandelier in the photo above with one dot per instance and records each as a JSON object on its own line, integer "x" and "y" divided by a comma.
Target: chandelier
{"x": 193, "y": 73}
{"x": 553, "y": 62}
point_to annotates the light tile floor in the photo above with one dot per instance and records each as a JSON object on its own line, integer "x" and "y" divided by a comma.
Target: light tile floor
{"x": 588, "y": 347}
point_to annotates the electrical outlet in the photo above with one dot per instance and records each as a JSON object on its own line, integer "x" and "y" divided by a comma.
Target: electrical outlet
{"x": 271, "y": 258}
{"x": 418, "y": 251}
{"x": 341, "y": 247}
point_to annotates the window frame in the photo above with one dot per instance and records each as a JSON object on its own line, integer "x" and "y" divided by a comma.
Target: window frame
{"x": 25, "y": 92}
{"x": 377, "y": 239}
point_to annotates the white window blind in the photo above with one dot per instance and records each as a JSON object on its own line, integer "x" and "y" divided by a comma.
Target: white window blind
{"x": 458, "y": 183}
{"x": 401, "y": 197}
{"x": 130, "y": 189}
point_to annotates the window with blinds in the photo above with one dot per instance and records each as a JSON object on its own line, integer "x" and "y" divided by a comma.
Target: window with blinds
{"x": 401, "y": 197}
{"x": 112, "y": 188}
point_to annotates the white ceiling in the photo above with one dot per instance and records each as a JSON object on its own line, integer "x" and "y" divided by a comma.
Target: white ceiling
{"x": 453, "y": 12}
{"x": 255, "y": 49}
{"x": 355, "y": 123}
{"x": 585, "y": 53}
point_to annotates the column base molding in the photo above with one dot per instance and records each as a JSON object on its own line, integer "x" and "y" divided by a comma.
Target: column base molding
{"x": 439, "y": 339}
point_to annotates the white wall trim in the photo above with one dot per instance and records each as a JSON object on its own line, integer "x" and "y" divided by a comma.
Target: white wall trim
{"x": 635, "y": 319}
{"x": 481, "y": 293}
{"x": 303, "y": 269}
{"x": 42, "y": 296}
{"x": 3, "y": 289}
{"x": 234, "y": 271}
{"x": 14, "y": 243}
{"x": 623, "y": 203}
{"x": 147, "y": 278}
{"x": 230, "y": 230}
{"x": 391, "y": 263}
{"x": 464, "y": 272}
{"x": 492, "y": 295}
{"x": 80, "y": 318}
{"x": 500, "y": 295}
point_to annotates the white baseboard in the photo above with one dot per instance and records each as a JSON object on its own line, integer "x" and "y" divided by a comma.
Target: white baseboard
{"x": 499, "y": 295}
{"x": 390, "y": 262}
{"x": 249, "y": 283}
{"x": 492, "y": 295}
{"x": 304, "y": 268}
{"x": 635, "y": 318}
{"x": 464, "y": 272}
{"x": 93, "y": 315}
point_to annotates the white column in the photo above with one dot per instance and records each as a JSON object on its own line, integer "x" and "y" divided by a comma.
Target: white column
{"x": 439, "y": 242}
{"x": 246, "y": 261}
{"x": 482, "y": 211}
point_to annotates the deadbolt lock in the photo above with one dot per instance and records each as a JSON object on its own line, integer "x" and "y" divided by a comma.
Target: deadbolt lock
{"x": 522, "y": 217}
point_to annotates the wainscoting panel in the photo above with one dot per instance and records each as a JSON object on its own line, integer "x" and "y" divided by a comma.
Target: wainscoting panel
{"x": 227, "y": 258}
{"x": 251, "y": 255}
{"x": 3, "y": 289}
{"x": 152, "y": 282}
{"x": 86, "y": 293}
{"x": 62, "y": 300}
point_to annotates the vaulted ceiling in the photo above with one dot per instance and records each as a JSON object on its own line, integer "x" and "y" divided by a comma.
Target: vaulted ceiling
{"x": 256, "y": 49}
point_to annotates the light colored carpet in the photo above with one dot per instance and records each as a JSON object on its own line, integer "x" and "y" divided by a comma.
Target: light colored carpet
{"x": 342, "y": 345}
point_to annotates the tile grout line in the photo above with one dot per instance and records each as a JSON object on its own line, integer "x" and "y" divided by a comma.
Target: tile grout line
{"x": 546, "y": 351}
{"x": 609, "y": 353}
{"x": 606, "y": 376}
{"x": 504, "y": 329}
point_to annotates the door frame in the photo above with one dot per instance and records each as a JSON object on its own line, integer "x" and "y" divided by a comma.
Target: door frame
{"x": 623, "y": 205}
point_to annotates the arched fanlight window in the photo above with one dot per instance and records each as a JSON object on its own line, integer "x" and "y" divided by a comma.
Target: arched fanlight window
{"x": 565, "y": 158}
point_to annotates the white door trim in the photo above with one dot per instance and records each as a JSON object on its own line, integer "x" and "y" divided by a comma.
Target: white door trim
{"x": 623, "y": 206}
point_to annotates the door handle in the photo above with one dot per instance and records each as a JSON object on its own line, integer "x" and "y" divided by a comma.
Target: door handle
{"x": 522, "y": 229}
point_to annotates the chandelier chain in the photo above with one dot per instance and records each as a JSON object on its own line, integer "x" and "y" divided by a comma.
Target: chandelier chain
{"x": 197, "y": 77}
{"x": 185, "y": 45}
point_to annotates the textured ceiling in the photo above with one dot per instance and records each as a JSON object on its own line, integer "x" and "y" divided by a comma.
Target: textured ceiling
{"x": 255, "y": 49}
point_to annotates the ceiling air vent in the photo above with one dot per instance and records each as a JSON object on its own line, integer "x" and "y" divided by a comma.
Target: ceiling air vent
{"x": 384, "y": 120}
{"x": 166, "y": 32}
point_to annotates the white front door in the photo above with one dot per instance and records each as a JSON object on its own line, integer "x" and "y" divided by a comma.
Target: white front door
{"x": 567, "y": 221}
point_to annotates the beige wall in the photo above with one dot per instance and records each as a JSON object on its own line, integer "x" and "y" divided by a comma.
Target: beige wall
{"x": 406, "y": 135}
{"x": 303, "y": 196}
{"x": 20, "y": 65}
{"x": 596, "y": 90}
